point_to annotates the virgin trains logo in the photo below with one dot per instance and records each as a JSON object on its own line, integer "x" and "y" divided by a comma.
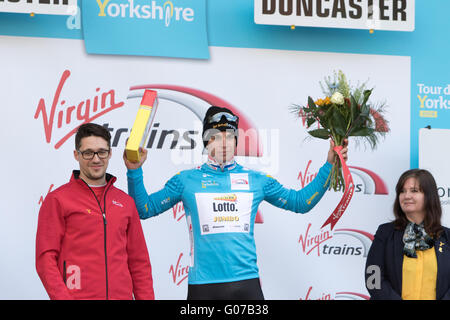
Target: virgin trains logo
{"x": 65, "y": 116}
{"x": 178, "y": 271}
{"x": 366, "y": 181}
{"x": 61, "y": 116}
{"x": 321, "y": 243}
{"x": 343, "y": 295}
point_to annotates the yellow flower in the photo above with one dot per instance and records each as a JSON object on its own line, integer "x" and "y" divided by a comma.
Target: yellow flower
{"x": 322, "y": 102}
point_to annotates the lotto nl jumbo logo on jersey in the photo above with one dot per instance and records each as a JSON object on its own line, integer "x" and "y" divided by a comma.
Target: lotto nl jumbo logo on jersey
{"x": 164, "y": 11}
{"x": 223, "y": 213}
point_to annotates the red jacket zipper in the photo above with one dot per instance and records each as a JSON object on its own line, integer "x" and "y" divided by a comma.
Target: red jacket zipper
{"x": 104, "y": 228}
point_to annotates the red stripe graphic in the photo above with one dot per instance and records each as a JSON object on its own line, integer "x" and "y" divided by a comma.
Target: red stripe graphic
{"x": 380, "y": 186}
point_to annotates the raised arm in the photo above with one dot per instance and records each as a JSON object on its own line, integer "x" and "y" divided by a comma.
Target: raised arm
{"x": 300, "y": 201}
{"x": 303, "y": 200}
{"x": 150, "y": 205}
{"x": 155, "y": 203}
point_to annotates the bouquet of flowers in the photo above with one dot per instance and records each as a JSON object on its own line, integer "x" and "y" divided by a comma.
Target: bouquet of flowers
{"x": 344, "y": 112}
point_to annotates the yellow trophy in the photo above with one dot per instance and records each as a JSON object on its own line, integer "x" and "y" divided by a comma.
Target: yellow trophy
{"x": 141, "y": 126}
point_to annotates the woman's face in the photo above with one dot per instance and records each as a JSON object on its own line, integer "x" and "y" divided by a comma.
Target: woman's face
{"x": 412, "y": 200}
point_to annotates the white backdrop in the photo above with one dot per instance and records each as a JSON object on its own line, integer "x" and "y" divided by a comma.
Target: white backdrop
{"x": 262, "y": 84}
{"x": 435, "y": 160}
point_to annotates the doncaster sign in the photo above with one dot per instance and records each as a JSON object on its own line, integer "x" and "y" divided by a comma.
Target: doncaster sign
{"x": 62, "y": 7}
{"x": 395, "y": 15}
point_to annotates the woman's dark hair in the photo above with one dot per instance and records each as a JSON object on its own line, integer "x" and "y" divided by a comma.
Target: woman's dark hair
{"x": 432, "y": 203}
{"x": 91, "y": 129}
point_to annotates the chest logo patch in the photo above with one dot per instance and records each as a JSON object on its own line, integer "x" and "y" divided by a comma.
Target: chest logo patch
{"x": 239, "y": 181}
{"x": 223, "y": 213}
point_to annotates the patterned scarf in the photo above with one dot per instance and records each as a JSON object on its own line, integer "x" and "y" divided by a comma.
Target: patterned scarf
{"x": 415, "y": 238}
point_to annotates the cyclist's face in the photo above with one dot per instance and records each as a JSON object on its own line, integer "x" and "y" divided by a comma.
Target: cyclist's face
{"x": 222, "y": 146}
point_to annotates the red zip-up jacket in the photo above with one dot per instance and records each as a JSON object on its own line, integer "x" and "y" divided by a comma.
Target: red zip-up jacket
{"x": 92, "y": 249}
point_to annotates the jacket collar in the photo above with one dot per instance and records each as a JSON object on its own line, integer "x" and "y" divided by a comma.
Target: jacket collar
{"x": 110, "y": 179}
{"x": 214, "y": 165}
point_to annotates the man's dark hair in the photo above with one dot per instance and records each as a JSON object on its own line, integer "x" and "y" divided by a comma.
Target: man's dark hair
{"x": 427, "y": 185}
{"x": 91, "y": 129}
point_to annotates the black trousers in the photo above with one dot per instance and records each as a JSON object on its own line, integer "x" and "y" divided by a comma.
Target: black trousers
{"x": 236, "y": 290}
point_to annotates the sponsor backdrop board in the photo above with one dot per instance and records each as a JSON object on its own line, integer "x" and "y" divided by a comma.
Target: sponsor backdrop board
{"x": 147, "y": 28}
{"x": 436, "y": 161}
{"x": 46, "y": 97}
{"x": 232, "y": 24}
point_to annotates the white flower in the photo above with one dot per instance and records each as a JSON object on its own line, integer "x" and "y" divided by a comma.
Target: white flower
{"x": 337, "y": 98}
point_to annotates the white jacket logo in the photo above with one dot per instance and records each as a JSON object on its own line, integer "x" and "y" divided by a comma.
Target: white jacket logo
{"x": 117, "y": 203}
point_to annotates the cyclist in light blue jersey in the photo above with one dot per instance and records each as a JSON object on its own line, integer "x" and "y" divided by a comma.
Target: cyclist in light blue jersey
{"x": 221, "y": 199}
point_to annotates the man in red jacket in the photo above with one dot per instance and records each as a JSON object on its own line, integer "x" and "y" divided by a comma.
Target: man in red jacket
{"x": 89, "y": 241}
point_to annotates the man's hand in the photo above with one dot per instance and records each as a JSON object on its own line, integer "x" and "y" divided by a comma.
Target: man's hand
{"x": 135, "y": 165}
{"x": 332, "y": 153}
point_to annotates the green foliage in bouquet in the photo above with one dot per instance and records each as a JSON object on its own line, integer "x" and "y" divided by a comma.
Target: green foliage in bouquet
{"x": 344, "y": 112}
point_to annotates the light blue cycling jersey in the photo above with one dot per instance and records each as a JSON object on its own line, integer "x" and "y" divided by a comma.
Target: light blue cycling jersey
{"x": 221, "y": 206}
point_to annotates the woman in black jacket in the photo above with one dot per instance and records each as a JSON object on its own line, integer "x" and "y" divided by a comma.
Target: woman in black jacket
{"x": 410, "y": 257}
